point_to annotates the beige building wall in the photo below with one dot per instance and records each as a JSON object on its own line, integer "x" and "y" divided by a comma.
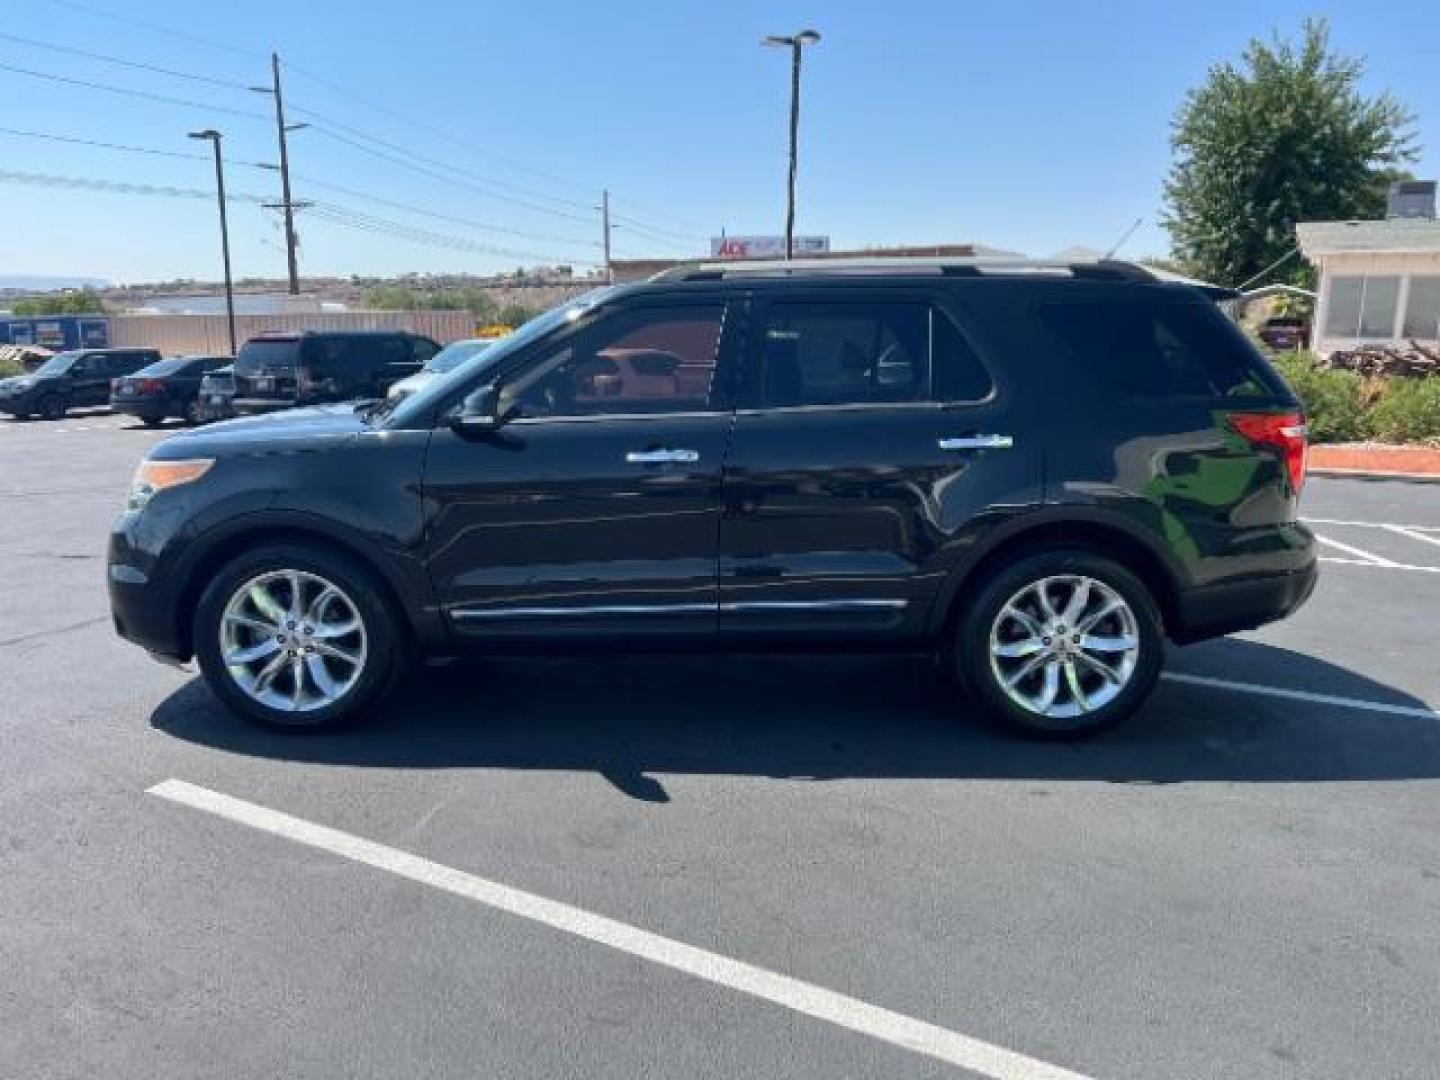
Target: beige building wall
{"x": 181, "y": 335}
{"x": 1403, "y": 265}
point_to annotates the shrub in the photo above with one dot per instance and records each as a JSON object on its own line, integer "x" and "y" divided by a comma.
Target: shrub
{"x": 1408, "y": 411}
{"x": 1335, "y": 401}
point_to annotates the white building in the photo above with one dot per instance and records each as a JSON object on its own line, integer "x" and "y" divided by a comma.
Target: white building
{"x": 1379, "y": 281}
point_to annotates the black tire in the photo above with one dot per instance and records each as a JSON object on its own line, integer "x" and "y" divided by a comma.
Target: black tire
{"x": 152, "y": 421}
{"x": 979, "y": 674}
{"x": 52, "y": 407}
{"x": 385, "y": 650}
{"x": 191, "y": 414}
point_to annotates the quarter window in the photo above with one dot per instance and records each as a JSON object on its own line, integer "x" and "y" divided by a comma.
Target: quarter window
{"x": 1159, "y": 349}
{"x": 656, "y": 360}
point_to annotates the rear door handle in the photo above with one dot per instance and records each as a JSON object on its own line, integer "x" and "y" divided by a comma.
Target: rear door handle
{"x": 662, "y": 457}
{"x": 978, "y": 442}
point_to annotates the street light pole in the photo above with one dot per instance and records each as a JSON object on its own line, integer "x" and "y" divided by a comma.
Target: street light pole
{"x": 213, "y": 137}
{"x": 796, "y": 43}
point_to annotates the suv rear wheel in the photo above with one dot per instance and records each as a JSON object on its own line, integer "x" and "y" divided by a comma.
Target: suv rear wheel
{"x": 295, "y": 638}
{"x": 1061, "y": 643}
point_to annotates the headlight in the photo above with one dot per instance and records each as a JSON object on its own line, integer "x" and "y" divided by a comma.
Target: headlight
{"x": 152, "y": 477}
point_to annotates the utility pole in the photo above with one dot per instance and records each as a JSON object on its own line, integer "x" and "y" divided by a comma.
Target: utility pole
{"x": 213, "y": 136}
{"x": 286, "y": 204}
{"x": 605, "y": 225}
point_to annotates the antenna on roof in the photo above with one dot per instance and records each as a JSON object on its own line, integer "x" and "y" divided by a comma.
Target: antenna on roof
{"x": 1123, "y": 237}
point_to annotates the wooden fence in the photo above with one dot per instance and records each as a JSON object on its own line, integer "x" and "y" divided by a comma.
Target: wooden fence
{"x": 206, "y": 335}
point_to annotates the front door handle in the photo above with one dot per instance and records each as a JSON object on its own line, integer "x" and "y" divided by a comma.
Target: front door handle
{"x": 978, "y": 442}
{"x": 662, "y": 457}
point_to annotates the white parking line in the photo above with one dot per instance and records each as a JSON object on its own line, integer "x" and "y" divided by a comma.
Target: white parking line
{"x": 1359, "y": 553}
{"x": 1405, "y": 530}
{"x": 1379, "y": 566}
{"x": 839, "y": 1009}
{"x": 1369, "y": 524}
{"x": 1302, "y": 695}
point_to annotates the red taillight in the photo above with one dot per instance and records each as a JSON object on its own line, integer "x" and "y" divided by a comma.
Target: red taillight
{"x": 1284, "y": 432}
{"x": 150, "y": 386}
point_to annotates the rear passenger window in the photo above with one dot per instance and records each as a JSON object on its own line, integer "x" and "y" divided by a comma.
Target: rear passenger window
{"x": 834, "y": 353}
{"x": 1160, "y": 349}
{"x": 844, "y": 353}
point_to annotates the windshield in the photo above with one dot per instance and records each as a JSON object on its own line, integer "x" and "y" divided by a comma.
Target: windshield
{"x": 58, "y": 364}
{"x": 165, "y": 367}
{"x": 423, "y": 400}
{"x": 455, "y": 354}
{"x": 267, "y": 355}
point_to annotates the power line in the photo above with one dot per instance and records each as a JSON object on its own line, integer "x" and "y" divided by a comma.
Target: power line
{"x": 333, "y": 213}
{"x": 441, "y": 133}
{"x": 157, "y": 27}
{"x": 393, "y": 147}
{"x": 357, "y": 133}
{"x": 408, "y": 121}
{"x": 449, "y": 176}
{"x": 118, "y": 187}
{"x": 436, "y": 215}
{"x": 357, "y": 219}
{"x": 663, "y": 216}
{"x": 630, "y": 225}
{"x": 126, "y": 92}
{"x": 48, "y": 137}
{"x": 453, "y": 140}
{"x": 135, "y": 64}
{"x": 314, "y": 181}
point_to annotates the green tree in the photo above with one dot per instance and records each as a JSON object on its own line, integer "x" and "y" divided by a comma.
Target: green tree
{"x": 1286, "y": 136}
{"x": 70, "y": 302}
{"x": 392, "y": 298}
{"x": 514, "y": 315}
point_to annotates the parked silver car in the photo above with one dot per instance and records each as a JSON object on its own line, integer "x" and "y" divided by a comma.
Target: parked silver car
{"x": 450, "y": 358}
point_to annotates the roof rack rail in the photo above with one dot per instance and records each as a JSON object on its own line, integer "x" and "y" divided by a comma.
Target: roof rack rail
{"x": 982, "y": 265}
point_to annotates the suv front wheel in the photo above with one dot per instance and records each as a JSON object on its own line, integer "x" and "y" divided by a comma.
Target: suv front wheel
{"x": 295, "y": 637}
{"x": 1061, "y": 643}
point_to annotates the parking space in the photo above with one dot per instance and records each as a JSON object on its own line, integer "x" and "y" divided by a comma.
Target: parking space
{"x": 746, "y": 866}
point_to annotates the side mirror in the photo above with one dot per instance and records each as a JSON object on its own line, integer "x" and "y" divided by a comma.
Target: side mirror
{"x": 480, "y": 413}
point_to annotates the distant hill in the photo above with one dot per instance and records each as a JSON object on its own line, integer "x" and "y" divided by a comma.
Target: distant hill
{"x": 44, "y": 283}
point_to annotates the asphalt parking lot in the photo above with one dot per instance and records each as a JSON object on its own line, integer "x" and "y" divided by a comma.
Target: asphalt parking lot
{"x": 550, "y": 868}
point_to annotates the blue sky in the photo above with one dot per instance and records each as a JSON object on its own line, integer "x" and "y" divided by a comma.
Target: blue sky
{"x": 1031, "y": 127}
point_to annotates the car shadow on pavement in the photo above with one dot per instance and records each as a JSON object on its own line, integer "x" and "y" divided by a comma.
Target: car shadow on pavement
{"x": 822, "y": 718}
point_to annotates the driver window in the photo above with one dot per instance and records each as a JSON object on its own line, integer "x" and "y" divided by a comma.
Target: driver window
{"x": 656, "y": 360}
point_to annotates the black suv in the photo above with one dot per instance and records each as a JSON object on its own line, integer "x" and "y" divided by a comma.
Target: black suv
{"x": 279, "y": 371}
{"x": 1037, "y": 471}
{"x": 69, "y": 380}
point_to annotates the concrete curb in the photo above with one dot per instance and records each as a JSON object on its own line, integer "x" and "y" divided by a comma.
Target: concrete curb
{"x": 1363, "y": 474}
{"x": 1375, "y": 461}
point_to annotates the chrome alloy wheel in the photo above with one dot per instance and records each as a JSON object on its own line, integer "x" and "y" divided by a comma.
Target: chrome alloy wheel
{"x": 292, "y": 640}
{"x": 1064, "y": 646}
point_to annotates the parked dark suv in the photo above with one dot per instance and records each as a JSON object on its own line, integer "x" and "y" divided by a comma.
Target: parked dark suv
{"x": 279, "y": 371}
{"x": 1037, "y": 471}
{"x": 70, "y": 380}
